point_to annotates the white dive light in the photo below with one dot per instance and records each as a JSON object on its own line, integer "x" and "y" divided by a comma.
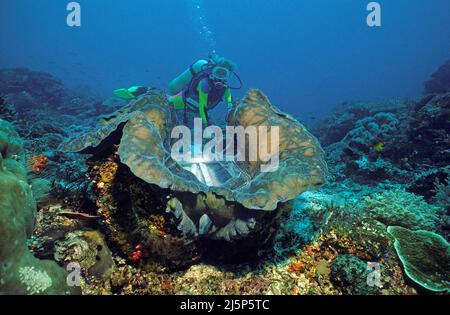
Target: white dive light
{"x": 207, "y": 170}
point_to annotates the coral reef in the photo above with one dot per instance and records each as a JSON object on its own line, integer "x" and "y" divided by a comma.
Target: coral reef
{"x": 133, "y": 230}
{"x": 37, "y": 163}
{"x": 20, "y": 271}
{"x": 7, "y": 110}
{"x": 88, "y": 248}
{"x": 241, "y": 205}
{"x": 33, "y": 88}
{"x": 440, "y": 80}
{"x": 429, "y": 130}
{"x": 398, "y": 207}
{"x": 352, "y": 273}
{"x": 370, "y": 133}
{"x": 425, "y": 257}
{"x": 347, "y": 114}
{"x": 399, "y": 141}
{"x": 41, "y": 189}
{"x": 442, "y": 193}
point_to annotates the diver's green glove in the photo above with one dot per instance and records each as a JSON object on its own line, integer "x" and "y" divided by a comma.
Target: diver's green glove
{"x": 229, "y": 106}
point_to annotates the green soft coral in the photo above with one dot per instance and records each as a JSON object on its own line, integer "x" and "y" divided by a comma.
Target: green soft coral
{"x": 425, "y": 257}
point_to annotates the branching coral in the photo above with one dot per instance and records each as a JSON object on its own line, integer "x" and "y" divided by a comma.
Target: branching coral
{"x": 398, "y": 207}
{"x": 442, "y": 193}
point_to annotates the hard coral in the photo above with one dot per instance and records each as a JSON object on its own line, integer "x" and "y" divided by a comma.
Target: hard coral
{"x": 429, "y": 129}
{"x": 442, "y": 193}
{"x": 398, "y": 207}
{"x": 351, "y": 274}
{"x": 425, "y": 257}
{"x": 371, "y": 131}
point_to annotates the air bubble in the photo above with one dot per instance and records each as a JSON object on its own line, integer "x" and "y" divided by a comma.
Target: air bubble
{"x": 200, "y": 21}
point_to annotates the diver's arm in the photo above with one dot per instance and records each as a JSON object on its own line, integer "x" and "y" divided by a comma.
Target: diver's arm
{"x": 202, "y": 104}
{"x": 227, "y": 98}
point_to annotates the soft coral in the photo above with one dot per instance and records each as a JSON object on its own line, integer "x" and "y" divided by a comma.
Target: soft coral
{"x": 37, "y": 163}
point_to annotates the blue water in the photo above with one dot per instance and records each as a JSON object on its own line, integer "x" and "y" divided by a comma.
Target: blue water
{"x": 306, "y": 55}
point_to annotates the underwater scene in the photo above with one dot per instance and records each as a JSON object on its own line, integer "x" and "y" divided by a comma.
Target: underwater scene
{"x": 232, "y": 147}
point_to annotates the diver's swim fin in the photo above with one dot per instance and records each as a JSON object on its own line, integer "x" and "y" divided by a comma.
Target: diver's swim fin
{"x": 124, "y": 94}
{"x": 131, "y": 93}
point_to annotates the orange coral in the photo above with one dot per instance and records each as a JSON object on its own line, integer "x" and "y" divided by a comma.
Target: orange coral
{"x": 294, "y": 290}
{"x": 310, "y": 249}
{"x": 159, "y": 225}
{"x": 296, "y": 267}
{"x": 37, "y": 163}
{"x": 139, "y": 252}
{"x": 167, "y": 287}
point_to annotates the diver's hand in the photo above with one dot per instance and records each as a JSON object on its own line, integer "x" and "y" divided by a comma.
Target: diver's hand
{"x": 229, "y": 106}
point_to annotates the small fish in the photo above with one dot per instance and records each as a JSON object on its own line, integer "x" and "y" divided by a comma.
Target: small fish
{"x": 379, "y": 147}
{"x": 79, "y": 216}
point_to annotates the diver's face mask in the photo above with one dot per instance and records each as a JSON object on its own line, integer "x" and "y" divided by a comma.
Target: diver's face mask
{"x": 220, "y": 74}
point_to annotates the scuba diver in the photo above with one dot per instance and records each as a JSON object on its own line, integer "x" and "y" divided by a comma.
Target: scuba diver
{"x": 202, "y": 87}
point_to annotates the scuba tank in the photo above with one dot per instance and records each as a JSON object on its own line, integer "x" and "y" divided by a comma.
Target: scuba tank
{"x": 178, "y": 84}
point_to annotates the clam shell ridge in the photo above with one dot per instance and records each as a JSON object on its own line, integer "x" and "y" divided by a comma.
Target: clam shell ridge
{"x": 145, "y": 147}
